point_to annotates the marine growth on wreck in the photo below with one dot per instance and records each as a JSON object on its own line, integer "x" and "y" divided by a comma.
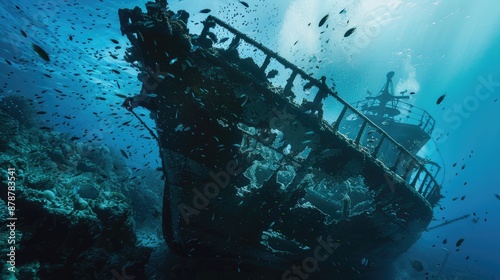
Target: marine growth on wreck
{"x": 251, "y": 173}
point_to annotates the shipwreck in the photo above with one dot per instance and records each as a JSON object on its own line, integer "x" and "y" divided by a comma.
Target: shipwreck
{"x": 255, "y": 184}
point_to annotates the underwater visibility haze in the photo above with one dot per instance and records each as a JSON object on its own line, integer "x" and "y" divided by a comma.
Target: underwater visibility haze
{"x": 227, "y": 139}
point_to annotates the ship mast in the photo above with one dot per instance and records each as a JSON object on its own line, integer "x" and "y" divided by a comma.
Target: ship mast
{"x": 387, "y": 94}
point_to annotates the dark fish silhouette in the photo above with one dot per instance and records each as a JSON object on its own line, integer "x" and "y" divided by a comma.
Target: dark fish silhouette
{"x": 223, "y": 40}
{"x": 43, "y": 54}
{"x": 114, "y": 41}
{"x": 323, "y": 20}
{"x": 205, "y": 11}
{"x": 71, "y": 37}
{"x": 124, "y": 153}
{"x": 24, "y": 34}
{"x": 459, "y": 242}
{"x": 497, "y": 196}
{"x": 121, "y": 95}
{"x": 343, "y": 11}
{"x": 272, "y": 74}
{"x": 244, "y": 4}
{"x": 417, "y": 265}
{"x": 440, "y": 99}
{"x": 349, "y": 32}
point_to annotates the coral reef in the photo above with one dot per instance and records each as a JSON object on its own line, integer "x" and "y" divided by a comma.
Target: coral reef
{"x": 84, "y": 227}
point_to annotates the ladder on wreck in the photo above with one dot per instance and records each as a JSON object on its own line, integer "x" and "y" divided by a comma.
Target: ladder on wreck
{"x": 405, "y": 165}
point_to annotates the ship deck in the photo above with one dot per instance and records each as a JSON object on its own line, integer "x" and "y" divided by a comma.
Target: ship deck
{"x": 247, "y": 169}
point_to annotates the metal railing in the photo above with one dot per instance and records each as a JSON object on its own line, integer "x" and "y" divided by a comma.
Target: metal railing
{"x": 409, "y": 114}
{"x": 405, "y": 164}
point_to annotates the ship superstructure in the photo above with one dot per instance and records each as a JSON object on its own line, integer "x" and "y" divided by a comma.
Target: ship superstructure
{"x": 254, "y": 183}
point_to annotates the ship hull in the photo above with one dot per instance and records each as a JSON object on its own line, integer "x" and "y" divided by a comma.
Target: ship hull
{"x": 223, "y": 198}
{"x": 247, "y": 171}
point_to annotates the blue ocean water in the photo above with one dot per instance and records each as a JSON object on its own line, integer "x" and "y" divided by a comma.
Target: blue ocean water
{"x": 435, "y": 48}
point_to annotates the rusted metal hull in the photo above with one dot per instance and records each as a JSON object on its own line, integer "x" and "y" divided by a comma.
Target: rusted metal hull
{"x": 242, "y": 163}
